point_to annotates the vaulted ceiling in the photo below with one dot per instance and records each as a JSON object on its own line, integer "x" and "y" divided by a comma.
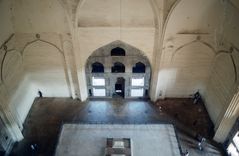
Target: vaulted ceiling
{"x": 113, "y": 13}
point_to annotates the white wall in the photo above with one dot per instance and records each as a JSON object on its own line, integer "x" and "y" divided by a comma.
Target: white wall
{"x": 192, "y": 57}
{"x": 6, "y": 20}
{"x": 223, "y": 81}
{"x": 91, "y": 39}
{"x": 39, "y": 16}
{"x": 29, "y": 66}
{"x": 196, "y": 33}
{"x": 44, "y": 66}
{"x": 192, "y": 64}
{"x": 221, "y": 86}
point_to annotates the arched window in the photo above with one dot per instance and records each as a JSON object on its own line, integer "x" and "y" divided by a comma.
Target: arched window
{"x": 139, "y": 68}
{"x": 97, "y": 68}
{"x": 118, "y": 68}
{"x": 117, "y": 52}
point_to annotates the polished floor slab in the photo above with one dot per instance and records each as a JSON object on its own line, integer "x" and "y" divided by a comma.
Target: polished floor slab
{"x": 90, "y": 140}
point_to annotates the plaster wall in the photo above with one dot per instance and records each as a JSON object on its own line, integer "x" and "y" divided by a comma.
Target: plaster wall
{"x": 91, "y": 39}
{"x": 6, "y": 20}
{"x": 221, "y": 87}
{"x": 44, "y": 65}
{"x": 196, "y": 45}
{"x": 113, "y": 13}
{"x": 196, "y": 54}
{"x": 39, "y": 17}
{"x": 223, "y": 81}
{"x": 28, "y": 65}
{"x": 133, "y": 55}
{"x": 188, "y": 51}
{"x": 9, "y": 127}
{"x": 191, "y": 65}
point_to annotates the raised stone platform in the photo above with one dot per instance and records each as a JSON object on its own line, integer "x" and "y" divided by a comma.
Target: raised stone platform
{"x": 90, "y": 140}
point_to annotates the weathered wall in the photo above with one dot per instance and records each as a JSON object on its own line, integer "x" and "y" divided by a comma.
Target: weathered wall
{"x": 199, "y": 48}
{"x": 9, "y": 124}
{"x": 223, "y": 82}
{"x": 39, "y": 16}
{"x": 91, "y": 39}
{"x": 188, "y": 48}
{"x": 43, "y": 62}
{"x": 6, "y": 20}
{"x": 44, "y": 66}
{"x": 196, "y": 53}
{"x": 29, "y": 64}
{"x": 103, "y": 56}
{"x": 98, "y": 24}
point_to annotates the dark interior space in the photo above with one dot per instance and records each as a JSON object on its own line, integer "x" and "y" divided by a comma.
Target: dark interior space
{"x": 118, "y": 68}
{"x": 139, "y": 68}
{"x": 117, "y": 52}
{"x": 97, "y": 68}
{"x": 120, "y": 86}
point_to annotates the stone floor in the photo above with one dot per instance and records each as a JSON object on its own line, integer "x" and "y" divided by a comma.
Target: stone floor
{"x": 184, "y": 111}
{"x": 43, "y": 123}
{"x": 145, "y": 139}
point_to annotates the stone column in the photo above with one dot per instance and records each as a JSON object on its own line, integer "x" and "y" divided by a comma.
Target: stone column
{"x": 158, "y": 46}
{"x": 228, "y": 119}
{"x": 80, "y": 67}
{"x": 71, "y": 66}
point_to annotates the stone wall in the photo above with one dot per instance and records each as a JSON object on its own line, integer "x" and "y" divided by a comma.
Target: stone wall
{"x": 133, "y": 56}
{"x": 200, "y": 53}
{"x": 190, "y": 45}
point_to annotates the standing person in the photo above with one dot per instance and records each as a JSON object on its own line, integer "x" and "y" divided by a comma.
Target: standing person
{"x": 34, "y": 149}
{"x": 186, "y": 153}
{"x": 200, "y": 144}
{"x": 40, "y": 94}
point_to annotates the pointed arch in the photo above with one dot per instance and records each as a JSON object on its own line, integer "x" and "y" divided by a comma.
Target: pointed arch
{"x": 190, "y": 43}
{"x": 139, "y": 68}
{"x": 97, "y": 67}
{"x": 118, "y": 67}
{"x": 61, "y": 70}
{"x": 117, "y": 52}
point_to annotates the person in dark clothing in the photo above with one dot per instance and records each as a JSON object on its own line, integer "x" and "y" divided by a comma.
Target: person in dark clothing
{"x": 196, "y": 97}
{"x": 40, "y": 94}
{"x": 34, "y": 149}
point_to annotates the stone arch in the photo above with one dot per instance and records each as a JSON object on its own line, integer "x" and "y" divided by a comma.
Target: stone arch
{"x": 234, "y": 58}
{"x": 97, "y": 67}
{"x": 221, "y": 86}
{"x": 118, "y": 67}
{"x": 105, "y": 50}
{"x": 139, "y": 68}
{"x": 192, "y": 65}
{"x": 11, "y": 64}
{"x": 118, "y": 52}
{"x": 48, "y": 59}
{"x": 193, "y": 42}
{"x": 43, "y": 41}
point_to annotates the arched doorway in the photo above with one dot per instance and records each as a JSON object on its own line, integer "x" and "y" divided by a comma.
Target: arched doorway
{"x": 118, "y": 70}
{"x": 120, "y": 87}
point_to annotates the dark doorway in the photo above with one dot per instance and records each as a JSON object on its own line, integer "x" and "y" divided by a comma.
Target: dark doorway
{"x": 119, "y": 86}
